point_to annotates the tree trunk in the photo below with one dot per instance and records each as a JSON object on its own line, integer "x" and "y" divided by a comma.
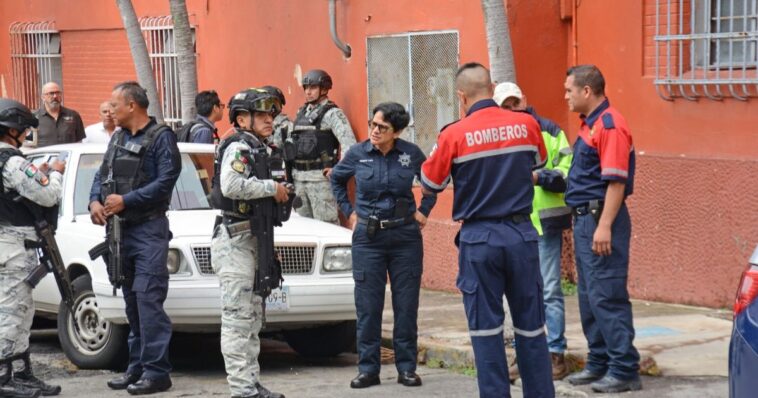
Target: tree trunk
{"x": 186, "y": 58}
{"x": 499, "y": 47}
{"x": 140, "y": 57}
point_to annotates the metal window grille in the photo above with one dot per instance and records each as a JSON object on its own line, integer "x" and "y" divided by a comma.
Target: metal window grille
{"x": 296, "y": 260}
{"x": 417, "y": 70}
{"x": 35, "y": 59}
{"x": 706, "y": 48}
{"x": 159, "y": 37}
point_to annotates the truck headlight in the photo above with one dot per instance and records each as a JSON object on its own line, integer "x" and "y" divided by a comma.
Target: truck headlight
{"x": 174, "y": 261}
{"x": 337, "y": 259}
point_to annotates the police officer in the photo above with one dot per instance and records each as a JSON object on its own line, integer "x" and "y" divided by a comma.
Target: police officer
{"x": 490, "y": 155}
{"x": 135, "y": 181}
{"x": 282, "y": 123}
{"x": 322, "y": 135}
{"x": 550, "y": 216}
{"x": 387, "y": 239}
{"x": 600, "y": 179}
{"x": 233, "y": 248}
{"x": 43, "y": 187}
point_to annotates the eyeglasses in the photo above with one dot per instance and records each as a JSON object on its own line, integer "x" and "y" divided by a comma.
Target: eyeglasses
{"x": 383, "y": 128}
{"x": 53, "y": 93}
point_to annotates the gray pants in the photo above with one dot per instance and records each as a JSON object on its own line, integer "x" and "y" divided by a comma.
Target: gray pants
{"x": 234, "y": 261}
{"x": 16, "y": 305}
{"x": 318, "y": 200}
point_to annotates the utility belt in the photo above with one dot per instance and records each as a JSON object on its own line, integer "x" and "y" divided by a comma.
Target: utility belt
{"x": 307, "y": 165}
{"x": 514, "y": 218}
{"x": 388, "y": 223}
{"x": 234, "y": 225}
{"x": 594, "y": 208}
{"x": 374, "y": 224}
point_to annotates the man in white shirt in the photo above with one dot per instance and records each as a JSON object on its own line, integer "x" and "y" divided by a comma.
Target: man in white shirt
{"x": 102, "y": 132}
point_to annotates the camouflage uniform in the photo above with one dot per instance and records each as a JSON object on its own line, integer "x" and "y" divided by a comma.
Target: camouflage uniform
{"x": 235, "y": 262}
{"x": 16, "y": 305}
{"x": 281, "y": 122}
{"x": 311, "y": 186}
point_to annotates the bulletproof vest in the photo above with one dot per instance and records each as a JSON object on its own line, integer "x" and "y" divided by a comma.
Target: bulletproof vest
{"x": 122, "y": 172}
{"x": 15, "y": 211}
{"x": 265, "y": 167}
{"x": 314, "y": 143}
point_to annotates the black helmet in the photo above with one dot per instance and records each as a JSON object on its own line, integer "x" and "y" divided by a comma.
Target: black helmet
{"x": 16, "y": 115}
{"x": 317, "y": 77}
{"x": 253, "y": 100}
{"x": 276, "y": 93}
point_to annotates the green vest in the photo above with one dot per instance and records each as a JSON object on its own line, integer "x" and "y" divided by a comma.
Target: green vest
{"x": 549, "y": 210}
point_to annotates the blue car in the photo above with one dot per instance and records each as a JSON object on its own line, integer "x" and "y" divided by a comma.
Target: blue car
{"x": 743, "y": 349}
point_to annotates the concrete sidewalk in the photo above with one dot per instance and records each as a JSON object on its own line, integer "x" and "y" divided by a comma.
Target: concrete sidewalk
{"x": 681, "y": 340}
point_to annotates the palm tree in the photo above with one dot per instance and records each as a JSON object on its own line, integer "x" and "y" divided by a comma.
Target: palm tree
{"x": 140, "y": 57}
{"x": 499, "y": 46}
{"x": 186, "y": 59}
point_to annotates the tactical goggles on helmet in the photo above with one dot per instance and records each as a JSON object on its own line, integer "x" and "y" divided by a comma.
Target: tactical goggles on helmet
{"x": 270, "y": 105}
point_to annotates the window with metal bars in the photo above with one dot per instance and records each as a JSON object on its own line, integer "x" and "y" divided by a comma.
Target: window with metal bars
{"x": 706, "y": 48}
{"x": 35, "y": 60}
{"x": 416, "y": 70}
{"x": 159, "y": 37}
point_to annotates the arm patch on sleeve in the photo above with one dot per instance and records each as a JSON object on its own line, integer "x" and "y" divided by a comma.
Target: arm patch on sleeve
{"x": 29, "y": 169}
{"x": 608, "y": 121}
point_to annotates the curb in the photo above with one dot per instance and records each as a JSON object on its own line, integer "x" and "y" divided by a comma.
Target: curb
{"x": 453, "y": 356}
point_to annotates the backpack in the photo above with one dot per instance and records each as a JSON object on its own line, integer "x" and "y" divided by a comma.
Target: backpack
{"x": 187, "y": 132}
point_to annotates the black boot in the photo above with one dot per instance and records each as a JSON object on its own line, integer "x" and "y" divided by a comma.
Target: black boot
{"x": 27, "y": 379}
{"x": 264, "y": 392}
{"x": 9, "y": 388}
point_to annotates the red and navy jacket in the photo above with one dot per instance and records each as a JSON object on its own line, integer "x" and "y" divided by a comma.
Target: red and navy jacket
{"x": 489, "y": 155}
{"x": 603, "y": 152}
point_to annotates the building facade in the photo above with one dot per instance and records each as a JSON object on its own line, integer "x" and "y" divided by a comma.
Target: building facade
{"x": 683, "y": 73}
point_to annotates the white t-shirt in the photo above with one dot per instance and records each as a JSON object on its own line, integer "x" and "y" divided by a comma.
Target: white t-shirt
{"x": 97, "y": 133}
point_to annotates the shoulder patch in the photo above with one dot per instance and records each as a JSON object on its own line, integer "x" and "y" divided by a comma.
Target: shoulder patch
{"x": 29, "y": 169}
{"x": 608, "y": 121}
{"x": 238, "y": 166}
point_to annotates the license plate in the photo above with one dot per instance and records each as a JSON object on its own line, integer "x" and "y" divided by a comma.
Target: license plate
{"x": 278, "y": 300}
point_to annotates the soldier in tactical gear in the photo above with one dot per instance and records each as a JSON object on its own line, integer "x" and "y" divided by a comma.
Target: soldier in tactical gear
{"x": 43, "y": 187}
{"x": 282, "y": 122}
{"x": 319, "y": 138}
{"x": 237, "y": 182}
{"x": 135, "y": 181}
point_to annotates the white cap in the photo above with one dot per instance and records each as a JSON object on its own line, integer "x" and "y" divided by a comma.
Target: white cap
{"x": 506, "y": 90}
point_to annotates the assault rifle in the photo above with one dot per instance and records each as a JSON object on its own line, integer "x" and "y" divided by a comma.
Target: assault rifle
{"x": 49, "y": 257}
{"x": 110, "y": 250}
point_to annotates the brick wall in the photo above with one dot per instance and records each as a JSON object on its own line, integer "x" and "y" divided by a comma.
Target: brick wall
{"x": 93, "y": 62}
{"x": 665, "y": 51}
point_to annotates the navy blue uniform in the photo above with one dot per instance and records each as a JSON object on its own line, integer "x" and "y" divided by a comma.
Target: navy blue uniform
{"x": 384, "y": 185}
{"x": 603, "y": 152}
{"x": 490, "y": 155}
{"x": 145, "y": 251}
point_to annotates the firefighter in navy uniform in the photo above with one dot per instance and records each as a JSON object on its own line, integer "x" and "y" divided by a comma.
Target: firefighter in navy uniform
{"x": 321, "y": 135}
{"x": 44, "y": 189}
{"x": 239, "y": 179}
{"x": 135, "y": 181}
{"x": 600, "y": 179}
{"x": 489, "y": 155}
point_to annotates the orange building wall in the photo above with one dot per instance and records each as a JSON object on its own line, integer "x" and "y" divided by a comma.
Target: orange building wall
{"x": 693, "y": 224}
{"x": 693, "y": 211}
